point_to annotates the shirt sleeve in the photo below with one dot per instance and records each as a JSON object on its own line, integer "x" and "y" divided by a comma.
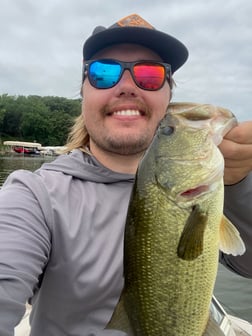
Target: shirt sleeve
{"x": 238, "y": 208}
{"x": 24, "y": 245}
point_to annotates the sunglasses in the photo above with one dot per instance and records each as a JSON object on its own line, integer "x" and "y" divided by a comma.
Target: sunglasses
{"x": 106, "y": 73}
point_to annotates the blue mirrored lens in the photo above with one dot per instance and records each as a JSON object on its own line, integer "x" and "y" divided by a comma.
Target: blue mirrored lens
{"x": 104, "y": 75}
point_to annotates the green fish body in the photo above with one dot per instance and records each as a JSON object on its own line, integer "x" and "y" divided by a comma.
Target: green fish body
{"x": 175, "y": 225}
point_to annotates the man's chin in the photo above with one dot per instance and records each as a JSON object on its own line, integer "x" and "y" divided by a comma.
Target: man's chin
{"x": 127, "y": 148}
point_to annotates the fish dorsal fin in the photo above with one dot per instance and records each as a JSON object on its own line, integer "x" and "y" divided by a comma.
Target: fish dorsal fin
{"x": 191, "y": 241}
{"x": 230, "y": 239}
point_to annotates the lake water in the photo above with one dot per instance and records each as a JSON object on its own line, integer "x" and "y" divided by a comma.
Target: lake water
{"x": 10, "y": 163}
{"x": 233, "y": 291}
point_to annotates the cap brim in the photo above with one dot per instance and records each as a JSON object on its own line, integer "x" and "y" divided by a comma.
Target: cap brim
{"x": 170, "y": 49}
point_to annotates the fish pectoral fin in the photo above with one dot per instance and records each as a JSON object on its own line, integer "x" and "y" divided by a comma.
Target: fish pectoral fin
{"x": 191, "y": 241}
{"x": 119, "y": 319}
{"x": 230, "y": 239}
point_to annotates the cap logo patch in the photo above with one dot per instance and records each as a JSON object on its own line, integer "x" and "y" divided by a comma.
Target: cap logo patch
{"x": 134, "y": 20}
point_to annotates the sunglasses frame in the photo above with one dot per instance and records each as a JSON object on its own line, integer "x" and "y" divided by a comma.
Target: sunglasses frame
{"x": 127, "y": 66}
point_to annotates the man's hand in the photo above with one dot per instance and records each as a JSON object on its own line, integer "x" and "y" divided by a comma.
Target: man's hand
{"x": 236, "y": 148}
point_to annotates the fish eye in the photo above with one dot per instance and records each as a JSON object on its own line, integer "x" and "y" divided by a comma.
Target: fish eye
{"x": 167, "y": 130}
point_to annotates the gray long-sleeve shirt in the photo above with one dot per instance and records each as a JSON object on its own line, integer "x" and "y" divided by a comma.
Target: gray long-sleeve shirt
{"x": 61, "y": 244}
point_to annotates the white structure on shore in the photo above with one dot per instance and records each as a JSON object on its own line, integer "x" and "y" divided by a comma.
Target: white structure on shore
{"x": 33, "y": 148}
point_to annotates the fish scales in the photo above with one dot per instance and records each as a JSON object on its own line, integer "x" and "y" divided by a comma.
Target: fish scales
{"x": 172, "y": 232}
{"x": 152, "y": 265}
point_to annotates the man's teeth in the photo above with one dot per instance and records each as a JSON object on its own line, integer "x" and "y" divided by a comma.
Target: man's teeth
{"x": 127, "y": 112}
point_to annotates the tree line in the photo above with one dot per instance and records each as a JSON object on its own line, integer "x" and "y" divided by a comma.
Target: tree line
{"x": 46, "y": 120}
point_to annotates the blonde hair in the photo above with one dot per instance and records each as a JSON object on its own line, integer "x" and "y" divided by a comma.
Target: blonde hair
{"x": 78, "y": 137}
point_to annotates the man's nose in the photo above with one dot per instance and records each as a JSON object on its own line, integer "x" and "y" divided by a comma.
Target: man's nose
{"x": 126, "y": 84}
{"x": 127, "y": 78}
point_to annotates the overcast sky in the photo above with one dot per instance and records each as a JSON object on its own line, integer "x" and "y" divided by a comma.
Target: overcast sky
{"x": 41, "y": 46}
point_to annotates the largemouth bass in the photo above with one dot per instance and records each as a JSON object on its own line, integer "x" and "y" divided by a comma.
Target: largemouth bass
{"x": 175, "y": 227}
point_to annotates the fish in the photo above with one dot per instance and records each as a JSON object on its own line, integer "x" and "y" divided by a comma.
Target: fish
{"x": 175, "y": 227}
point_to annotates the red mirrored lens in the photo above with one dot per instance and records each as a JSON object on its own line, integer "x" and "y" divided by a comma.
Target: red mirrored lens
{"x": 149, "y": 76}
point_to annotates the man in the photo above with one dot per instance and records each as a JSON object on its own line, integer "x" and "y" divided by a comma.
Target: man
{"x": 61, "y": 228}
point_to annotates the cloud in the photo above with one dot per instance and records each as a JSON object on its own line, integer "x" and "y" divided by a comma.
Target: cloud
{"x": 41, "y": 45}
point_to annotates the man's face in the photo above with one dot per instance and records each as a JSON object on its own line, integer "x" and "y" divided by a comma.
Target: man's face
{"x": 123, "y": 119}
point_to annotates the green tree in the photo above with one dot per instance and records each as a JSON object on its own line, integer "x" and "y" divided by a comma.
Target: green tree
{"x": 35, "y": 126}
{"x": 44, "y": 119}
{"x": 2, "y": 115}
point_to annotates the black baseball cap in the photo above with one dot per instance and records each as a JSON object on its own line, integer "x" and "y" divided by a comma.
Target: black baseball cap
{"x": 134, "y": 29}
